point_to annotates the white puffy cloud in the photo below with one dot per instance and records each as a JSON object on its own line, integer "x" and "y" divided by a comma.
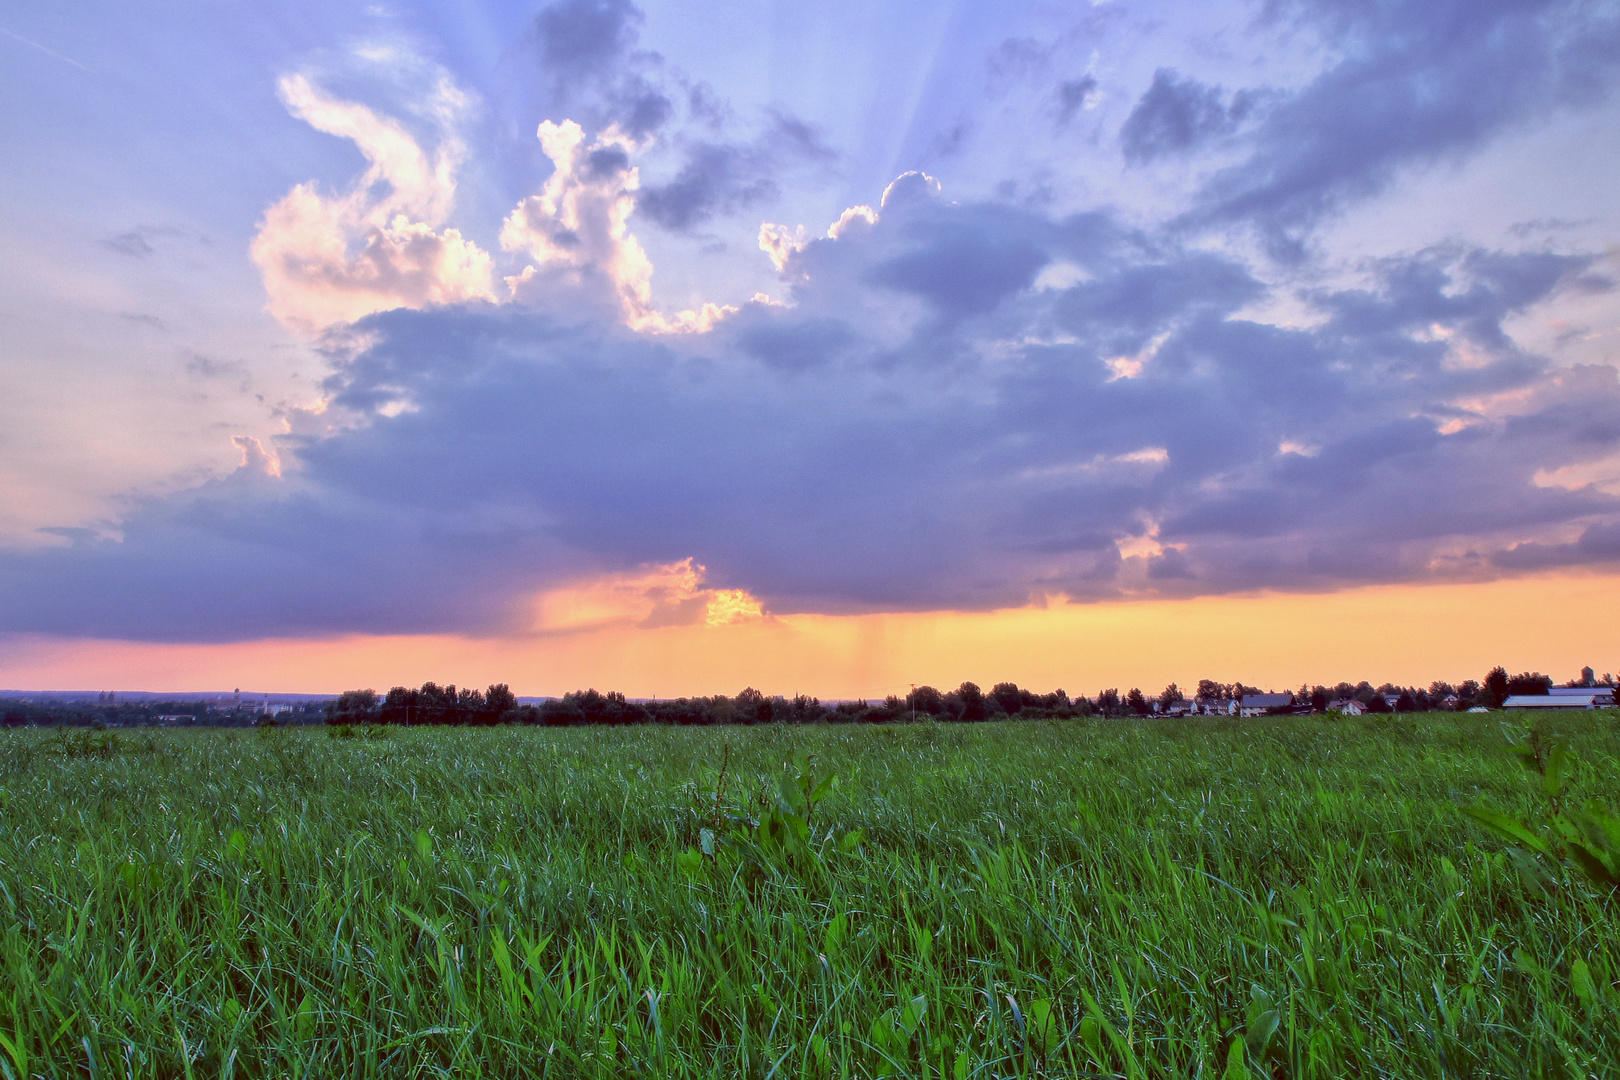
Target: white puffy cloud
{"x": 329, "y": 259}
{"x": 576, "y": 229}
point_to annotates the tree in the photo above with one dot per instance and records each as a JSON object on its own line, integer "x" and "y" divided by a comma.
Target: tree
{"x": 500, "y": 704}
{"x": 398, "y": 707}
{"x": 1210, "y": 690}
{"x": 803, "y": 709}
{"x": 1405, "y": 703}
{"x": 1108, "y": 702}
{"x": 352, "y": 707}
{"x": 1319, "y": 699}
{"x": 753, "y": 707}
{"x": 926, "y": 699}
{"x": 1136, "y": 702}
{"x": 1529, "y": 682}
{"x": 972, "y": 699}
{"x": 1006, "y": 695}
{"x": 1495, "y": 690}
{"x": 1170, "y": 697}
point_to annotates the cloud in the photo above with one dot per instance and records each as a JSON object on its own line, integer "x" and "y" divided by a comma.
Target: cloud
{"x": 672, "y": 594}
{"x": 587, "y": 52}
{"x": 916, "y": 424}
{"x": 133, "y": 243}
{"x": 1072, "y": 96}
{"x": 722, "y": 179}
{"x": 595, "y": 74}
{"x": 331, "y": 259}
{"x": 1174, "y": 116}
{"x": 137, "y": 243}
{"x": 328, "y": 261}
{"x": 1405, "y": 85}
{"x": 584, "y": 39}
{"x": 1597, "y": 544}
{"x": 576, "y": 231}
{"x": 716, "y": 179}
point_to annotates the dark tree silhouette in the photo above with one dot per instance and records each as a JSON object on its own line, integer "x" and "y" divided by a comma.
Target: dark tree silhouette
{"x": 925, "y": 699}
{"x": 1007, "y": 695}
{"x": 972, "y": 699}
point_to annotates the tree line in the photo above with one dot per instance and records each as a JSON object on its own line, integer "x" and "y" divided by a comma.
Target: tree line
{"x": 433, "y": 704}
{"x": 108, "y": 711}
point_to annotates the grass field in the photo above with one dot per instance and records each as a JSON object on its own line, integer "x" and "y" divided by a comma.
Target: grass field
{"x": 1289, "y": 897}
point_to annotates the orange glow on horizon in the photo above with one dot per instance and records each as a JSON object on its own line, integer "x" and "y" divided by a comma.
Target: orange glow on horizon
{"x": 1401, "y": 634}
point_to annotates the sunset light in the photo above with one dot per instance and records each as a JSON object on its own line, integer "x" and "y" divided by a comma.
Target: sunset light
{"x": 566, "y": 332}
{"x": 826, "y": 539}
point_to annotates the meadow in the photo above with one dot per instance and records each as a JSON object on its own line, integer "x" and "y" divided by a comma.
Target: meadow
{"x": 1297, "y": 897}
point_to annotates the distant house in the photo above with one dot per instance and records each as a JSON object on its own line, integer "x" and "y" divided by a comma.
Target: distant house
{"x": 1588, "y": 699}
{"x": 1604, "y": 694}
{"x": 1264, "y": 704}
{"x": 1347, "y": 706}
{"x": 1449, "y": 703}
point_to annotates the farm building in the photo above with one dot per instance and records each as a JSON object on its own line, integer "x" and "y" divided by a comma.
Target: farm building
{"x": 1605, "y": 694}
{"x": 1586, "y": 700}
{"x": 1347, "y": 706}
{"x": 1264, "y": 704}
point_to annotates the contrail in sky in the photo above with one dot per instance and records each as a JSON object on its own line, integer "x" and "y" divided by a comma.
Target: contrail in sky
{"x": 43, "y": 49}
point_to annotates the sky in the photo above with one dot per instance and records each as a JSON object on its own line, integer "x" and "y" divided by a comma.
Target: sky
{"x": 827, "y": 348}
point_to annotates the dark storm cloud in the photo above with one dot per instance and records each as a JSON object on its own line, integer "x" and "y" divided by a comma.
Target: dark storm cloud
{"x": 720, "y": 178}
{"x": 1072, "y": 96}
{"x": 962, "y": 272}
{"x": 1408, "y": 84}
{"x": 1176, "y": 115}
{"x": 587, "y": 53}
{"x": 792, "y": 345}
{"x": 581, "y": 40}
{"x": 841, "y": 455}
{"x": 1596, "y": 544}
{"x": 715, "y": 179}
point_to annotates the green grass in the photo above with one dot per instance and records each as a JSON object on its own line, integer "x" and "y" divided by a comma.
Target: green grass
{"x": 1077, "y": 898}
